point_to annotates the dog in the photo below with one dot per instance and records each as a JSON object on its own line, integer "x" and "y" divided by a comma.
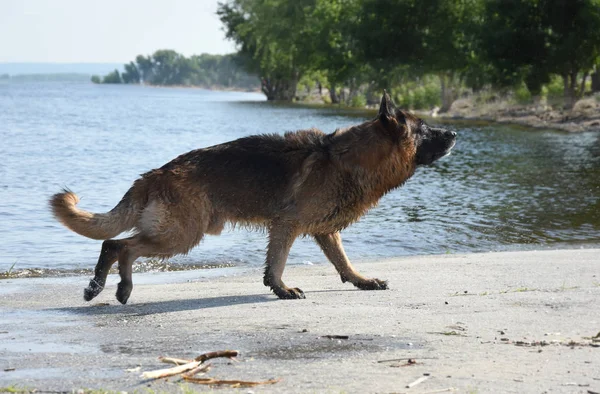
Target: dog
{"x": 304, "y": 183}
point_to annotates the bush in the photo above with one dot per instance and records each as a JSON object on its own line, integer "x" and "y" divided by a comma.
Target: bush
{"x": 555, "y": 89}
{"x": 522, "y": 95}
{"x": 422, "y": 95}
{"x": 96, "y": 79}
{"x": 359, "y": 100}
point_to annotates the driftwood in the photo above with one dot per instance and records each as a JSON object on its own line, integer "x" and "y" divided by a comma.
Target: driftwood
{"x": 176, "y": 361}
{"x": 198, "y": 369}
{"x": 163, "y": 373}
{"x": 232, "y": 383}
{"x": 221, "y": 353}
{"x": 418, "y": 381}
{"x": 193, "y": 367}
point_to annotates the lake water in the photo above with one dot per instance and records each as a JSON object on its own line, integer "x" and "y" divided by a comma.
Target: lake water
{"x": 502, "y": 188}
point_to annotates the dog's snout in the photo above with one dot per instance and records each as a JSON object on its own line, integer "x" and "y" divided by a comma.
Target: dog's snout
{"x": 452, "y": 134}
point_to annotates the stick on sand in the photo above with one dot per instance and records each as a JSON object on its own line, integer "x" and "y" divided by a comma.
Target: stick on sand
{"x": 163, "y": 373}
{"x": 220, "y": 353}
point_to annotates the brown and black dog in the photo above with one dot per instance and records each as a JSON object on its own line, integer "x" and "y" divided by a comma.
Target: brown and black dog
{"x": 302, "y": 183}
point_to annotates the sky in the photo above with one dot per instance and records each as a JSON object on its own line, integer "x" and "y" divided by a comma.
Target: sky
{"x": 107, "y": 31}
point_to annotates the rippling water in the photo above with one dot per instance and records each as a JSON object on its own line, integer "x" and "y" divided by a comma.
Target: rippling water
{"x": 502, "y": 188}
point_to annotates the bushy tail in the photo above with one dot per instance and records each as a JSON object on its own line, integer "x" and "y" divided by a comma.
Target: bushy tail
{"x": 121, "y": 218}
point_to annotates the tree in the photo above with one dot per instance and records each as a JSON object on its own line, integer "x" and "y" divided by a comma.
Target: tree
{"x": 167, "y": 67}
{"x": 531, "y": 39}
{"x": 271, "y": 35}
{"x": 434, "y": 36}
{"x": 145, "y": 68}
{"x": 331, "y": 47}
{"x": 131, "y": 74}
{"x": 573, "y": 38}
{"x": 506, "y": 24}
{"x": 96, "y": 79}
{"x": 113, "y": 77}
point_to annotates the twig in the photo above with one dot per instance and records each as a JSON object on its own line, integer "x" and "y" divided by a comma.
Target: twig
{"x": 222, "y": 353}
{"x": 176, "y": 361}
{"x": 163, "y": 373}
{"x": 418, "y": 381}
{"x": 440, "y": 390}
{"x": 335, "y": 336}
{"x": 232, "y": 383}
{"x": 406, "y": 359}
{"x": 197, "y": 370}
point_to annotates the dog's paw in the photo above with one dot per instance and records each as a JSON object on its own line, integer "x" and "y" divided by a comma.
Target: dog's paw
{"x": 93, "y": 289}
{"x": 289, "y": 293}
{"x": 372, "y": 284}
{"x": 123, "y": 292}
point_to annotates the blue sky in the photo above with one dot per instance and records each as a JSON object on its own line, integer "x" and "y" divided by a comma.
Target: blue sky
{"x": 112, "y": 31}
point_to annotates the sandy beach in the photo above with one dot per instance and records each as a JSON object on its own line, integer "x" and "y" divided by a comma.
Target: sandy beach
{"x": 510, "y": 322}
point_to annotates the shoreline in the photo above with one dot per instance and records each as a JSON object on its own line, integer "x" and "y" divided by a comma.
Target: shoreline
{"x": 486, "y": 322}
{"x": 157, "y": 267}
{"x": 584, "y": 117}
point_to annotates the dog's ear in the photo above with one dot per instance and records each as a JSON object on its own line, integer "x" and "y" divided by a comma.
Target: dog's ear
{"x": 388, "y": 113}
{"x": 386, "y": 109}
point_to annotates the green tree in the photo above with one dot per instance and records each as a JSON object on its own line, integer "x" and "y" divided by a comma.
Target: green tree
{"x": 434, "y": 36}
{"x": 145, "y": 68}
{"x": 113, "y": 77}
{"x": 331, "y": 46}
{"x": 271, "y": 36}
{"x": 96, "y": 79}
{"x": 531, "y": 39}
{"x": 131, "y": 74}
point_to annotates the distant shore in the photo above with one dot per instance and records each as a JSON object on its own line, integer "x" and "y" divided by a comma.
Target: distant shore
{"x": 489, "y": 322}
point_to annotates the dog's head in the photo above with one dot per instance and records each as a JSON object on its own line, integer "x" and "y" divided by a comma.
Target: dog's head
{"x": 431, "y": 143}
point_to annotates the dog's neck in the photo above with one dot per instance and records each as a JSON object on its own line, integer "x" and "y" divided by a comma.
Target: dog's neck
{"x": 384, "y": 164}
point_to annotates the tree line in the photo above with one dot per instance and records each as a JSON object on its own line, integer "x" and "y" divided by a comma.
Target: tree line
{"x": 168, "y": 68}
{"x": 353, "y": 46}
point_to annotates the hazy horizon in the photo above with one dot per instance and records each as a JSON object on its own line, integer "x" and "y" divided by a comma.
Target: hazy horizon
{"x": 75, "y": 32}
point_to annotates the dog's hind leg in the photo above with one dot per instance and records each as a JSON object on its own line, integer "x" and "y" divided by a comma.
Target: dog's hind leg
{"x": 281, "y": 238}
{"x": 108, "y": 255}
{"x": 131, "y": 249}
{"x": 331, "y": 244}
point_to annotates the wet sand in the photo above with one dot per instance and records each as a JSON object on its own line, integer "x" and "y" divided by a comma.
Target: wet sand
{"x": 495, "y": 322}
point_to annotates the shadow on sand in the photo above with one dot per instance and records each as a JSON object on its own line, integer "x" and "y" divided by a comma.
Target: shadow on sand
{"x": 178, "y": 305}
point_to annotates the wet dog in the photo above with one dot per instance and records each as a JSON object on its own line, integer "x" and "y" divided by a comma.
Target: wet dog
{"x": 302, "y": 183}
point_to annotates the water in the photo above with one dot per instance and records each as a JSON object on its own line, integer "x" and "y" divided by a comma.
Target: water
{"x": 503, "y": 188}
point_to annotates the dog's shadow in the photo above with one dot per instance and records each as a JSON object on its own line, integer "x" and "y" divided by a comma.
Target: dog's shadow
{"x": 178, "y": 305}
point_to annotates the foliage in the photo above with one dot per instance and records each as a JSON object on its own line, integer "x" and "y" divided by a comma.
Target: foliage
{"x": 273, "y": 39}
{"x": 167, "y": 67}
{"x": 554, "y": 37}
{"x": 554, "y": 88}
{"x": 96, "y": 79}
{"x": 522, "y": 95}
{"x": 421, "y": 94}
{"x": 358, "y": 100}
{"x": 113, "y": 77}
{"x": 357, "y": 47}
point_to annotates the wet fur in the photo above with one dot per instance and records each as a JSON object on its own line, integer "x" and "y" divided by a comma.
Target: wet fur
{"x": 302, "y": 183}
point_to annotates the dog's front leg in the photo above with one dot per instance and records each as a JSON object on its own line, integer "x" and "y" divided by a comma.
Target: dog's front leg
{"x": 331, "y": 244}
{"x": 281, "y": 238}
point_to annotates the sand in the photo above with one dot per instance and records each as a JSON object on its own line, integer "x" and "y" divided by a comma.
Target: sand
{"x": 477, "y": 323}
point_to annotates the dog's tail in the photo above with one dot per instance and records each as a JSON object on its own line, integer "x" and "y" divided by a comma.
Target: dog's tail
{"x": 107, "y": 225}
